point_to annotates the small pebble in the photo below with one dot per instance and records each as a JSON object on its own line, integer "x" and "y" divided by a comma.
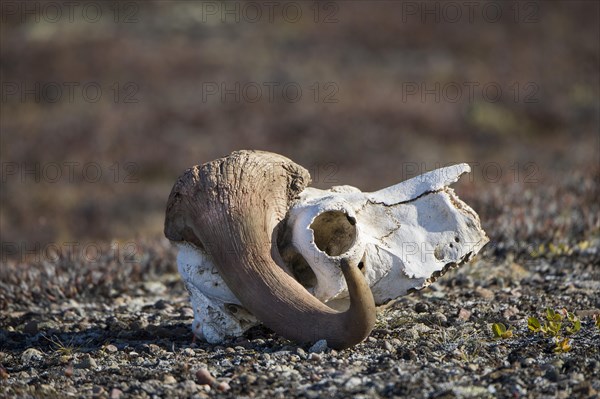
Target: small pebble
{"x": 204, "y": 377}
{"x": 162, "y": 304}
{"x": 248, "y": 379}
{"x": 484, "y": 293}
{"x": 87, "y": 363}
{"x": 464, "y": 314}
{"x": 31, "y": 328}
{"x": 439, "y": 318}
{"x": 186, "y": 313}
{"x": 421, "y": 307}
{"x": 115, "y": 393}
{"x": 169, "y": 379}
{"x": 31, "y": 354}
{"x": 388, "y": 346}
{"x": 319, "y": 346}
{"x": 315, "y": 357}
{"x": 111, "y": 348}
{"x": 223, "y": 387}
{"x": 352, "y": 383}
{"x": 552, "y": 375}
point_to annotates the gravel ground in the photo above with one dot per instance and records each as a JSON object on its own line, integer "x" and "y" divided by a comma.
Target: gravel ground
{"x": 120, "y": 327}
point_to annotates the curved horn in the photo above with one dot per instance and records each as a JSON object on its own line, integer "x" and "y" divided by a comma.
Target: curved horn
{"x": 231, "y": 208}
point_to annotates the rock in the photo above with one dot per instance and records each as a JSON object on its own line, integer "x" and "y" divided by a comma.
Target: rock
{"x": 318, "y": 347}
{"x": 204, "y": 377}
{"x": 464, "y": 314}
{"x": 439, "y": 319}
{"x": 484, "y": 293}
{"x": 190, "y": 386}
{"x": 31, "y": 354}
{"x": 247, "y": 379}
{"x": 511, "y": 311}
{"x": 87, "y": 363}
{"x": 169, "y": 379}
{"x": 223, "y": 387}
{"x": 421, "y": 307}
{"x": 388, "y": 346}
{"x": 161, "y": 304}
{"x": 115, "y": 393}
{"x": 31, "y": 328}
{"x": 528, "y": 361}
{"x": 155, "y": 287}
{"x": 314, "y": 357}
{"x": 47, "y": 389}
{"x": 186, "y": 313}
{"x": 111, "y": 348}
{"x": 352, "y": 383}
{"x": 552, "y": 375}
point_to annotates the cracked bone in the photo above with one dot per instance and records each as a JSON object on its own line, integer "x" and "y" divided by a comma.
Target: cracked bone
{"x": 404, "y": 236}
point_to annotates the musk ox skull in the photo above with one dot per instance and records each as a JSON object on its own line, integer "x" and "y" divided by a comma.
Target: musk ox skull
{"x": 257, "y": 245}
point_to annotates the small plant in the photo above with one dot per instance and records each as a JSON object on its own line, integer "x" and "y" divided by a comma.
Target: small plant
{"x": 562, "y": 345}
{"x": 557, "y": 324}
{"x": 596, "y": 318}
{"x": 501, "y": 332}
{"x": 64, "y": 351}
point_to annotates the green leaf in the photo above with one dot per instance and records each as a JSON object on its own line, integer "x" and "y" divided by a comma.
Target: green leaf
{"x": 553, "y": 327}
{"x": 498, "y": 329}
{"x": 576, "y": 327}
{"x": 534, "y": 324}
{"x": 552, "y": 315}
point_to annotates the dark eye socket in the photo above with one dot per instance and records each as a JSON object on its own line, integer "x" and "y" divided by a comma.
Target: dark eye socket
{"x": 232, "y": 308}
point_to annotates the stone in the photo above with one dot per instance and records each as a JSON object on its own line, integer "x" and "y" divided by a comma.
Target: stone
{"x": 464, "y": 314}
{"x": 204, "y": 377}
{"x": 87, "y": 362}
{"x": 31, "y": 354}
{"x": 318, "y": 347}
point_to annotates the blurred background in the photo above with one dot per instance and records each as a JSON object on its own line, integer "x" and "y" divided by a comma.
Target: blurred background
{"x": 105, "y": 104}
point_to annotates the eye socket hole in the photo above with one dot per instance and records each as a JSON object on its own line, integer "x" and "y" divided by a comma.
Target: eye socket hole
{"x": 361, "y": 266}
{"x": 335, "y": 232}
{"x": 232, "y": 308}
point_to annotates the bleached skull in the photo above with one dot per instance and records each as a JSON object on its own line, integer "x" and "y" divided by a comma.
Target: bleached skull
{"x": 402, "y": 237}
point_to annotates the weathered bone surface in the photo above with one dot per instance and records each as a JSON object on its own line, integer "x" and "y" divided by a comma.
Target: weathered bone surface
{"x": 403, "y": 236}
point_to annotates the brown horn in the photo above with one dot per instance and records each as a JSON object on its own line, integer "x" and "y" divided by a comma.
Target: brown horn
{"x": 231, "y": 208}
